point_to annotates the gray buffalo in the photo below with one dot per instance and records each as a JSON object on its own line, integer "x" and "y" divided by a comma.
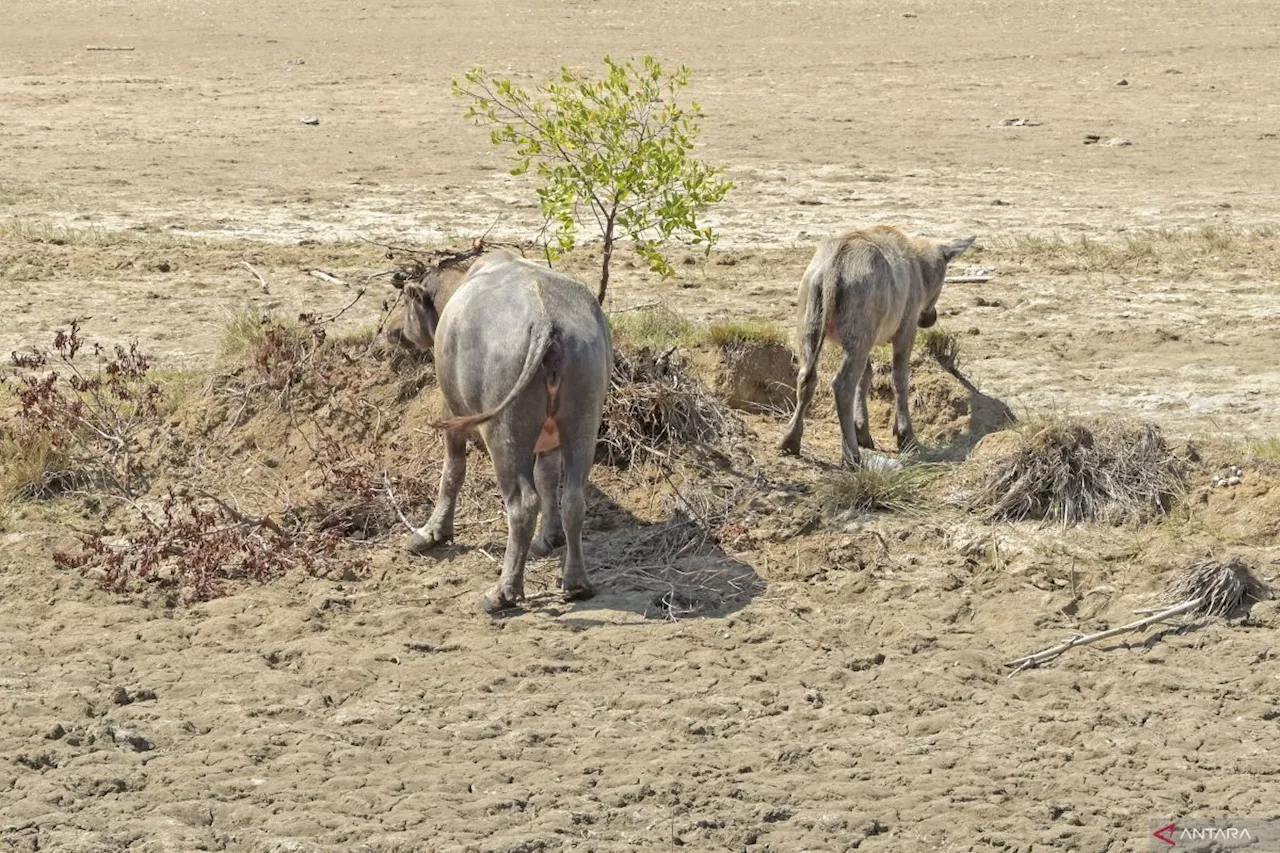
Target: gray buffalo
{"x": 864, "y": 288}
{"x": 524, "y": 356}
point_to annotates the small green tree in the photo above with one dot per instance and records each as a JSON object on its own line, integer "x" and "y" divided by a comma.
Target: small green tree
{"x": 616, "y": 151}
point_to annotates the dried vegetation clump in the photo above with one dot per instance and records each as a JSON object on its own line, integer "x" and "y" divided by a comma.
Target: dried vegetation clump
{"x": 197, "y": 545}
{"x": 1071, "y": 472}
{"x": 657, "y": 406}
{"x": 1219, "y": 587}
{"x": 879, "y": 485}
{"x": 78, "y": 422}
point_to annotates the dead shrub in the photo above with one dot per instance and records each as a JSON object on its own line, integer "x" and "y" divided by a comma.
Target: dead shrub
{"x": 1072, "y": 473}
{"x": 655, "y": 406}
{"x": 197, "y": 545}
{"x": 78, "y": 424}
{"x": 360, "y": 499}
{"x": 1220, "y": 588}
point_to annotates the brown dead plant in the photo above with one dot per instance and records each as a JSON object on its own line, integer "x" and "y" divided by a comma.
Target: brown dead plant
{"x": 79, "y": 423}
{"x": 656, "y": 407}
{"x": 197, "y": 545}
{"x": 1070, "y": 472}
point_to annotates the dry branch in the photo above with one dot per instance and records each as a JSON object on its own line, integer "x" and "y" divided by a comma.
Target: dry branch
{"x": 262, "y": 281}
{"x": 324, "y": 276}
{"x": 1209, "y": 588}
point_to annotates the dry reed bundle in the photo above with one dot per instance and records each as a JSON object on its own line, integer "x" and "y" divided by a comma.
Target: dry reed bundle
{"x": 656, "y": 405}
{"x": 1073, "y": 473}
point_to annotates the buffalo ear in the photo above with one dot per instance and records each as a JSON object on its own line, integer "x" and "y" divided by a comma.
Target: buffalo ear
{"x": 422, "y": 300}
{"x": 430, "y": 316}
{"x": 956, "y": 248}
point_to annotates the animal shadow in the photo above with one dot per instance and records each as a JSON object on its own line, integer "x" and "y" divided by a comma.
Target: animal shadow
{"x": 668, "y": 569}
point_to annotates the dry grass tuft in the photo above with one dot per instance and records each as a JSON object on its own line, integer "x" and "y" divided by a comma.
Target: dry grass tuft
{"x": 1072, "y": 473}
{"x": 876, "y": 488}
{"x": 1219, "y": 587}
{"x": 1268, "y": 450}
{"x": 942, "y": 345}
{"x": 657, "y": 405}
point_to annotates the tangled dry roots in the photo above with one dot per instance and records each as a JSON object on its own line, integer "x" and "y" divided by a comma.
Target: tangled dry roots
{"x": 1073, "y": 473}
{"x": 656, "y": 405}
{"x": 1221, "y": 587}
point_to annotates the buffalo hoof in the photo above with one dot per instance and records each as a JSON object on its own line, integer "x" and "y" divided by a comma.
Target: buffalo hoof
{"x": 495, "y": 601}
{"x": 540, "y": 547}
{"x": 790, "y": 446}
{"x": 419, "y": 544}
{"x": 579, "y": 592}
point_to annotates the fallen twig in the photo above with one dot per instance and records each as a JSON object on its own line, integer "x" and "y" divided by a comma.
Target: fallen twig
{"x": 391, "y": 498}
{"x": 262, "y": 281}
{"x": 1208, "y": 588}
{"x": 105, "y": 47}
{"x": 968, "y": 279}
{"x": 1049, "y": 654}
{"x": 324, "y": 276}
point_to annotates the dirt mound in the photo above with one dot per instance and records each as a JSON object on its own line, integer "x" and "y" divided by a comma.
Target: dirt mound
{"x": 1246, "y": 513}
{"x": 754, "y": 376}
{"x": 949, "y": 413}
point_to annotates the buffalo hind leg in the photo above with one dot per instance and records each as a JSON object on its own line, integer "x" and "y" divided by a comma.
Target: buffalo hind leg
{"x": 806, "y": 384}
{"x": 845, "y": 386}
{"x": 861, "y": 419}
{"x": 511, "y": 446}
{"x": 439, "y": 527}
{"x": 546, "y": 475}
{"x": 521, "y": 497}
{"x": 578, "y": 455}
{"x": 902, "y": 430}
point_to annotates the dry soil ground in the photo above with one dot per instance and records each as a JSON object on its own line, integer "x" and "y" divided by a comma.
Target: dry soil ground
{"x": 857, "y": 701}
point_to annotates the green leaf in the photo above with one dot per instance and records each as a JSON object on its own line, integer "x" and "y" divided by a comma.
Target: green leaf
{"x": 619, "y": 144}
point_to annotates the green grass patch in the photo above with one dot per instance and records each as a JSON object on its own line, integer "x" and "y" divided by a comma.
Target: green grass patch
{"x": 657, "y": 328}
{"x": 743, "y": 332}
{"x": 178, "y": 386}
{"x": 248, "y": 334}
{"x": 940, "y": 344}
{"x": 30, "y": 463}
{"x": 1268, "y": 450}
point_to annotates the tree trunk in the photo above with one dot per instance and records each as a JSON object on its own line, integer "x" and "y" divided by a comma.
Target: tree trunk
{"x": 607, "y": 256}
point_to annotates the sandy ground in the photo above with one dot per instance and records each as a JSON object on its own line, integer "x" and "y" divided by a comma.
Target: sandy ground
{"x": 859, "y": 699}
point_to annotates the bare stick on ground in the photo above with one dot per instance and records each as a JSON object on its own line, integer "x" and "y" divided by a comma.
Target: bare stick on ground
{"x": 262, "y": 281}
{"x": 1209, "y": 588}
{"x": 325, "y": 276}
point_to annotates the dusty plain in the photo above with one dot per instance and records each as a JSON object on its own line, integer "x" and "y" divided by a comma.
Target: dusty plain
{"x": 854, "y": 695}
